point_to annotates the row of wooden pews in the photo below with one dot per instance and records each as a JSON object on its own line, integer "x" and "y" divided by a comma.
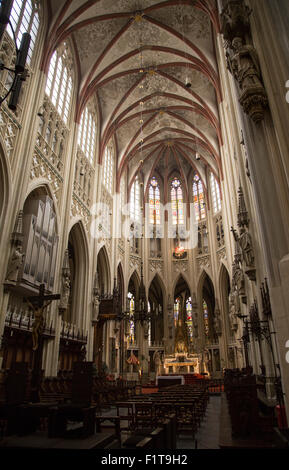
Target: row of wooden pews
{"x": 160, "y": 417}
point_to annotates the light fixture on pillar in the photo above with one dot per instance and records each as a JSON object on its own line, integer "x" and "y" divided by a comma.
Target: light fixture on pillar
{"x": 19, "y": 71}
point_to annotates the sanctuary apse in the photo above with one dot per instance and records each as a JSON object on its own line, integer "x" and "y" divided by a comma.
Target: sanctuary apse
{"x": 144, "y": 181}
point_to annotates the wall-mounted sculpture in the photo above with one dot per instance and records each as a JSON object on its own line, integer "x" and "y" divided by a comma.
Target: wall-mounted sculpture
{"x": 242, "y": 58}
{"x": 17, "y": 256}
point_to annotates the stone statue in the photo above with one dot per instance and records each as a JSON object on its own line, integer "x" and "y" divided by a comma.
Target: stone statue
{"x": 65, "y": 282}
{"x": 157, "y": 361}
{"x": 233, "y": 312}
{"x": 245, "y": 242}
{"x": 146, "y": 329}
{"x": 95, "y": 299}
{"x": 217, "y": 321}
{"x": 65, "y": 290}
{"x": 245, "y": 65}
{"x": 95, "y": 306}
{"x": 15, "y": 263}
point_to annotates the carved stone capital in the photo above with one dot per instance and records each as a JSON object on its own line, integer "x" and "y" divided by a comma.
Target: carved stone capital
{"x": 254, "y": 102}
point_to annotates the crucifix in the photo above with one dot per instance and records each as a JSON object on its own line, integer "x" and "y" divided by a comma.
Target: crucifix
{"x": 38, "y": 304}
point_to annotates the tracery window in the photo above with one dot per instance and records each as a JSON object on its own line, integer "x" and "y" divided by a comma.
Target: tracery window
{"x": 131, "y": 336}
{"x": 149, "y": 326}
{"x": 177, "y": 202}
{"x": 189, "y": 319}
{"x": 24, "y": 19}
{"x": 199, "y": 200}
{"x": 216, "y": 197}
{"x": 177, "y": 306}
{"x": 154, "y": 202}
{"x": 59, "y": 81}
{"x": 87, "y": 134}
{"x": 134, "y": 203}
{"x": 108, "y": 168}
{"x": 206, "y": 318}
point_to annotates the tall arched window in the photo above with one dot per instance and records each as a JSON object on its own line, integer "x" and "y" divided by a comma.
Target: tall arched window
{"x": 198, "y": 195}
{"x": 87, "y": 134}
{"x": 134, "y": 203}
{"x": 59, "y": 81}
{"x": 177, "y": 306}
{"x": 108, "y": 168}
{"x": 206, "y": 318}
{"x": 154, "y": 202}
{"x": 189, "y": 318}
{"x": 24, "y": 19}
{"x": 149, "y": 326}
{"x": 131, "y": 337}
{"x": 215, "y": 191}
{"x": 177, "y": 202}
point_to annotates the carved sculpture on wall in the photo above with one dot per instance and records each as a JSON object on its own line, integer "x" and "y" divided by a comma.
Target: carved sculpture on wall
{"x": 234, "y": 310}
{"x": 17, "y": 256}
{"x": 95, "y": 299}
{"x": 242, "y": 59}
{"x": 235, "y": 19}
{"x": 244, "y": 240}
{"x": 65, "y": 282}
{"x": 217, "y": 320}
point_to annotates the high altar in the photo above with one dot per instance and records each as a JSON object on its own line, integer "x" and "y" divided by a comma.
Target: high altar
{"x": 182, "y": 361}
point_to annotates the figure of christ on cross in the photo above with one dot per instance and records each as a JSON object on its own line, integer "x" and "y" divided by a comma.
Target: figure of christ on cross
{"x": 38, "y": 304}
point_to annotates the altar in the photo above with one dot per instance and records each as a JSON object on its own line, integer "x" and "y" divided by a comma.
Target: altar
{"x": 182, "y": 364}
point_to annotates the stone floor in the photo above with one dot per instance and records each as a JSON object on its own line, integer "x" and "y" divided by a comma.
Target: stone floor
{"x": 207, "y": 436}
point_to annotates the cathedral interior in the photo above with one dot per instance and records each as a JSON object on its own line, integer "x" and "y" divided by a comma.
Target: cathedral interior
{"x": 144, "y": 212}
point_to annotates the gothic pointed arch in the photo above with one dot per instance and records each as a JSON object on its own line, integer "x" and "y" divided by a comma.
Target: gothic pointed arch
{"x": 120, "y": 283}
{"x": 78, "y": 266}
{"x": 156, "y": 298}
{"x": 225, "y": 291}
{"x": 103, "y": 270}
{"x": 207, "y": 303}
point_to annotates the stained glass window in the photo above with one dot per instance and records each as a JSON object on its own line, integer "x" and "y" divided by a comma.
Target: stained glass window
{"x": 87, "y": 134}
{"x": 189, "y": 317}
{"x": 206, "y": 318}
{"x": 216, "y": 197}
{"x": 177, "y": 305}
{"x": 135, "y": 201}
{"x": 149, "y": 326}
{"x": 24, "y": 19}
{"x": 199, "y": 200}
{"x": 177, "y": 202}
{"x": 154, "y": 202}
{"x": 131, "y": 337}
{"x": 59, "y": 81}
{"x": 108, "y": 168}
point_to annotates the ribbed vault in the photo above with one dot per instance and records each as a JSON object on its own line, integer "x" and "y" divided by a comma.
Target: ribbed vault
{"x": 137, "y": 58}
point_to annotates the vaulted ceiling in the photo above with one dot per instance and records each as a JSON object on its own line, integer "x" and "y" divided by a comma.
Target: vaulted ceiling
{"x": 137, "y": 58}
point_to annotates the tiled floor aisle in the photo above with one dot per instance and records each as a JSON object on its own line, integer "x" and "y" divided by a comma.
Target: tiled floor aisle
{"x": 207, "y": 436}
